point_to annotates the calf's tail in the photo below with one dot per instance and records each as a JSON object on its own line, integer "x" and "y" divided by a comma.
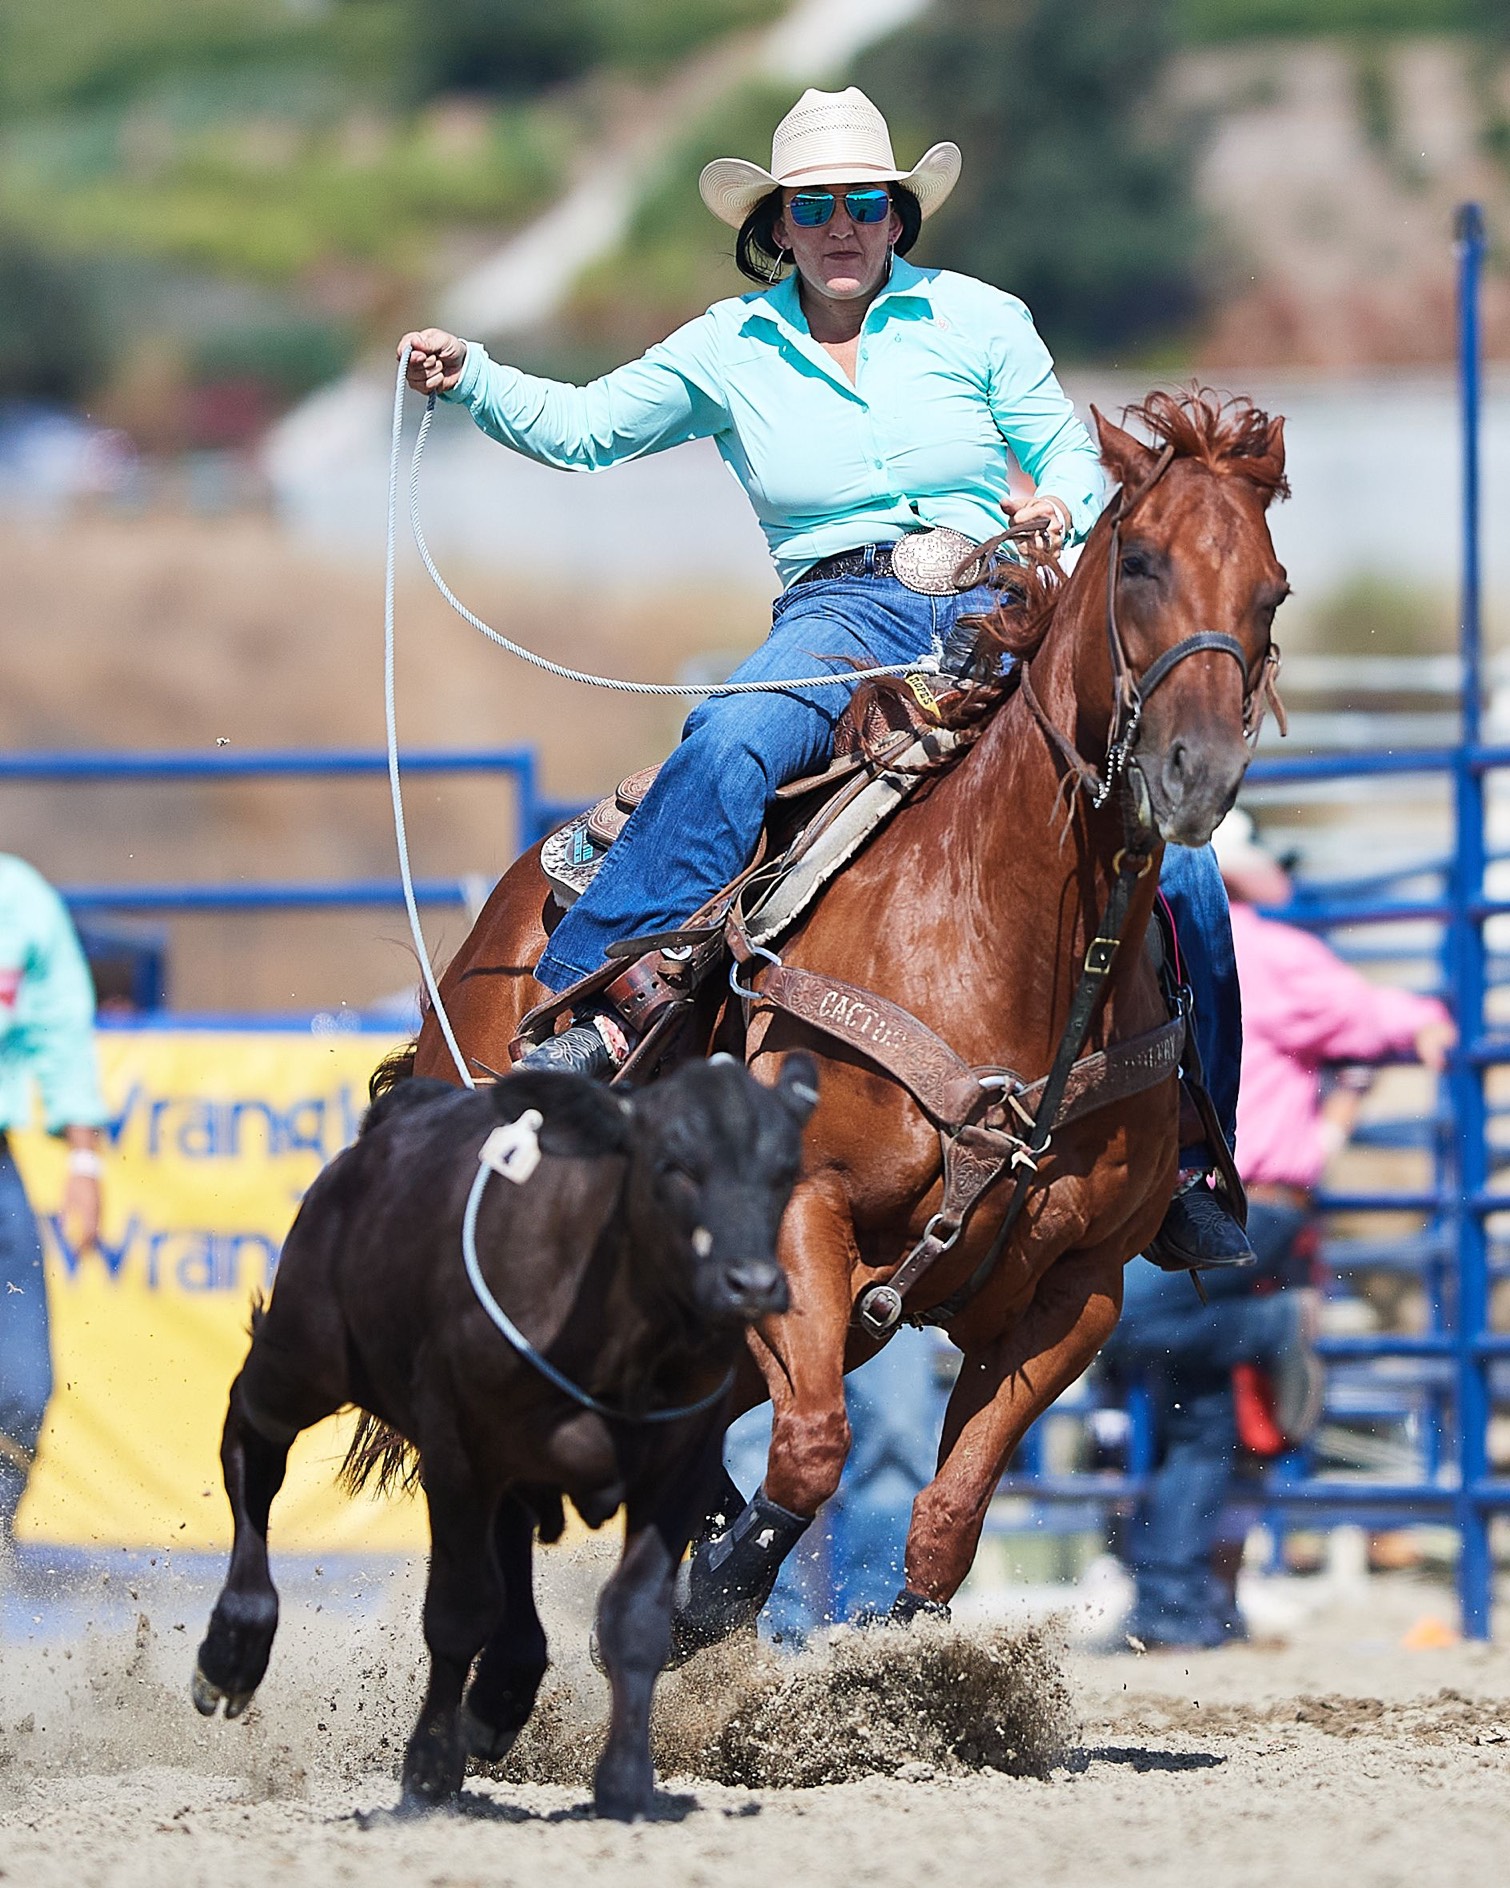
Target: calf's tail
{"x": 378, "y": 1450}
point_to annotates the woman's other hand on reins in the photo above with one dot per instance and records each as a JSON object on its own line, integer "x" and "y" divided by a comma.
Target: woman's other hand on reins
{"x": 1044, "y": 514}
{"x": 435, "y": 359}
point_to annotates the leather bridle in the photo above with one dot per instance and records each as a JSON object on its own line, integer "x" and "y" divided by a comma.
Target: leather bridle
{"x": 1130, "y": 692}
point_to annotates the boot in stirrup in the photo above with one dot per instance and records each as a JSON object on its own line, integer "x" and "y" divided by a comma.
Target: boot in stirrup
{"x": 595, "y": 1045}
{"x": 1199, "y": 1234}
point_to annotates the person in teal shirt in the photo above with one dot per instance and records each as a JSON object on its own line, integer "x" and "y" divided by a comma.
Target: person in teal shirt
{"x": 46, "y": 1051}
{"x": 871, "y": 411}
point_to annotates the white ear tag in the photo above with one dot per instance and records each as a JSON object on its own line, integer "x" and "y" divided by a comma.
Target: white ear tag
{"x": 513, "y": 1150}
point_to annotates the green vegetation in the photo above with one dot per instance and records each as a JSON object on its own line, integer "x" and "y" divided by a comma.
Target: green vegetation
{"x": 1380, "y": 616}
{"x": 272, "y": 199}
{"x": 1201, "y": 21}
{"x": 676, "y": 258}
{"x": 1074, "y": 196}
{"x": 518, "y": 45}
{"x": 307, "y": 166}
{"x": 54, "y": 343}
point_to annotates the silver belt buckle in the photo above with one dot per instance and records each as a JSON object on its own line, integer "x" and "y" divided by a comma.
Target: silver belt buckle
{"x": 926, "y": 561}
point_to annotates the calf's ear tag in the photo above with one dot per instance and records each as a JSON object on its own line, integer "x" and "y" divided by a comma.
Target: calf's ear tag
{"x": 513, "y": 1149}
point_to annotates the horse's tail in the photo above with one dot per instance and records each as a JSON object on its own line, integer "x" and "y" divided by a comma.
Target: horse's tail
{"x": 378, "y": 1450}
{"x": 397, "y": 1066}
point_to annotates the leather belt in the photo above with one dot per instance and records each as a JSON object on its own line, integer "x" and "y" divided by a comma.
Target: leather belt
{"x": 867, "y": 560}
{"x": 924, "y": 561}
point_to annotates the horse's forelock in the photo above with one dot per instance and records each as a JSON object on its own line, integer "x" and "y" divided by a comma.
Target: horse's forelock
{"x": 1229, "y": 434}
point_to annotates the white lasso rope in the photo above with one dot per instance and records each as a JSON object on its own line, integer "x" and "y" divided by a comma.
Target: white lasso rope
{"x": 846, "y": 678}
{"x": 421, "y": 949}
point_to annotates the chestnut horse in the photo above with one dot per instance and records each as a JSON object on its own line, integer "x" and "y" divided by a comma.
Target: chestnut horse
{"x": 973, "y": 909}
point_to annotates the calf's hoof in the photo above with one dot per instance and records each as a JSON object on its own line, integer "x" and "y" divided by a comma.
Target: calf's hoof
{"x": 233, "y": 1657}
{"x": 208, "y": 1697}
{"x": 433, "y": 1771}
{"x": 487, "y": 1743}
{"x": 624, "y": 1788}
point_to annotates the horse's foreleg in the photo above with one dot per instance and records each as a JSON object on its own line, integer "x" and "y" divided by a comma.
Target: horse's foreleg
{"x": 503, "y": 1688}
{"x": 463, "y": 1600}
{"x": 253, "y": 1458}
{"x": 1002, "y": 1389}
{"x": 634, "y": 1621}
{"x": 801, "y": 1355}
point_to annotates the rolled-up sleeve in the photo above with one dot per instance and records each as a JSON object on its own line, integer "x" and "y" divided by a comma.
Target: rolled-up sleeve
{"x": 53, "y": 1032}
{"x": 1036, "y": 419}
{"x": 668, "y": 396}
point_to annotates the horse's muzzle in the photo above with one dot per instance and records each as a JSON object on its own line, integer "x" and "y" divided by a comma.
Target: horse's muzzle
{"x": 1192, "y": 785}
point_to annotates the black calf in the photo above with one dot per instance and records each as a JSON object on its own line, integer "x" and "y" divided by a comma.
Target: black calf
{"x": 631, "y": 1257}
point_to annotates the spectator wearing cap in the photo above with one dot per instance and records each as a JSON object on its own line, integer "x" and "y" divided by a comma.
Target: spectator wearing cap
{"x": 1304, "y": 1010}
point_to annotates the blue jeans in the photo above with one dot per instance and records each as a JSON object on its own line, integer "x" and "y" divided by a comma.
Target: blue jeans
{"x": 1191, "y": 882}
{"x": 850, "y": 1560}
{"x": 25, "y": 1340}
{"x": 698, "y": 826}
{"x": 1186, "y": 1351}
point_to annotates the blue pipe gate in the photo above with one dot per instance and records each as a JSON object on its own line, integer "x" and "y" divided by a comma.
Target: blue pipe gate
{"x": 1457, "y": 1484}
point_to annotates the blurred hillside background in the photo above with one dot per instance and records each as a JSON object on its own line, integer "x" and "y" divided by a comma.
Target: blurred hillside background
{"x": 216, "y": 216}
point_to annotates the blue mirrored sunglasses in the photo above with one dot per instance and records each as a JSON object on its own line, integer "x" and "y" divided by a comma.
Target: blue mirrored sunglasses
{"x": 811, "y": 209}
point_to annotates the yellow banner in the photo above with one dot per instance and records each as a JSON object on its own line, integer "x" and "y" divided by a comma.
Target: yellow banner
{"x": 214, "y": 1138}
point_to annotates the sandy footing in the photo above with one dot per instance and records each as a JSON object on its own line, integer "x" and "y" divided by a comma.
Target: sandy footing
{"x": 945, "y": 1757}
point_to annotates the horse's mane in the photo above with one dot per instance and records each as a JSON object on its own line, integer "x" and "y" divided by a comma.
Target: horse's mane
{"x": 1015, "y": 627}
{"x": 1227, "y": 433}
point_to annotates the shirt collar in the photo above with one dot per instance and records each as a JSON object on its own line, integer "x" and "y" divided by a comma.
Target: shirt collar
{"x": 783, "y": 304}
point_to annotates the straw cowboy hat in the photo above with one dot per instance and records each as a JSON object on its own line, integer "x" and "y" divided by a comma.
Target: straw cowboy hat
{"x": 827, "y": 138}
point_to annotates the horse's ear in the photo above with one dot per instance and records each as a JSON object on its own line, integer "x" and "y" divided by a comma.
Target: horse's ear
{"x": 1126, "y": 457}
{"x": 1268, "y": 469}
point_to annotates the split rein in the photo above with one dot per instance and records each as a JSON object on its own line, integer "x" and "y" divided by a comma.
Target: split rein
{"x": 1131, "y": 693}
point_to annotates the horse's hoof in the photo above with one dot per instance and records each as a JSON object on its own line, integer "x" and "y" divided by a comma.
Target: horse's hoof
{"x": 908, "y": 1606}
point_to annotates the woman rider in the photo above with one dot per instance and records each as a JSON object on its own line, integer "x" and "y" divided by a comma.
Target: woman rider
{"x": 867, "y": 407}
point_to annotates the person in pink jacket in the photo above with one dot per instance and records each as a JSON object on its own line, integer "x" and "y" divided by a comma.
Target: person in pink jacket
{"x": 1303, "y": 1010}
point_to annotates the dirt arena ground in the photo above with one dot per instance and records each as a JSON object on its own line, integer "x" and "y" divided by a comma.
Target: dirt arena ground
{"x": 987, "y": 1756}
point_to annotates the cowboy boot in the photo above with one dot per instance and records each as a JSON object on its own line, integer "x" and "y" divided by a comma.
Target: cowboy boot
{"x": 1199, "y": 1233}
{"x": 596, "y": 1044}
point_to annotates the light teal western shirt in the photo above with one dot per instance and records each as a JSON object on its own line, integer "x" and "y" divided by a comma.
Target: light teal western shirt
{"x": 951, "y": 373}
{"x": 46, "y": 1008}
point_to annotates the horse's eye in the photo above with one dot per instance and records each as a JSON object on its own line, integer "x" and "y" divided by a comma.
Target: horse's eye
{"x": 1136, "y": 564}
